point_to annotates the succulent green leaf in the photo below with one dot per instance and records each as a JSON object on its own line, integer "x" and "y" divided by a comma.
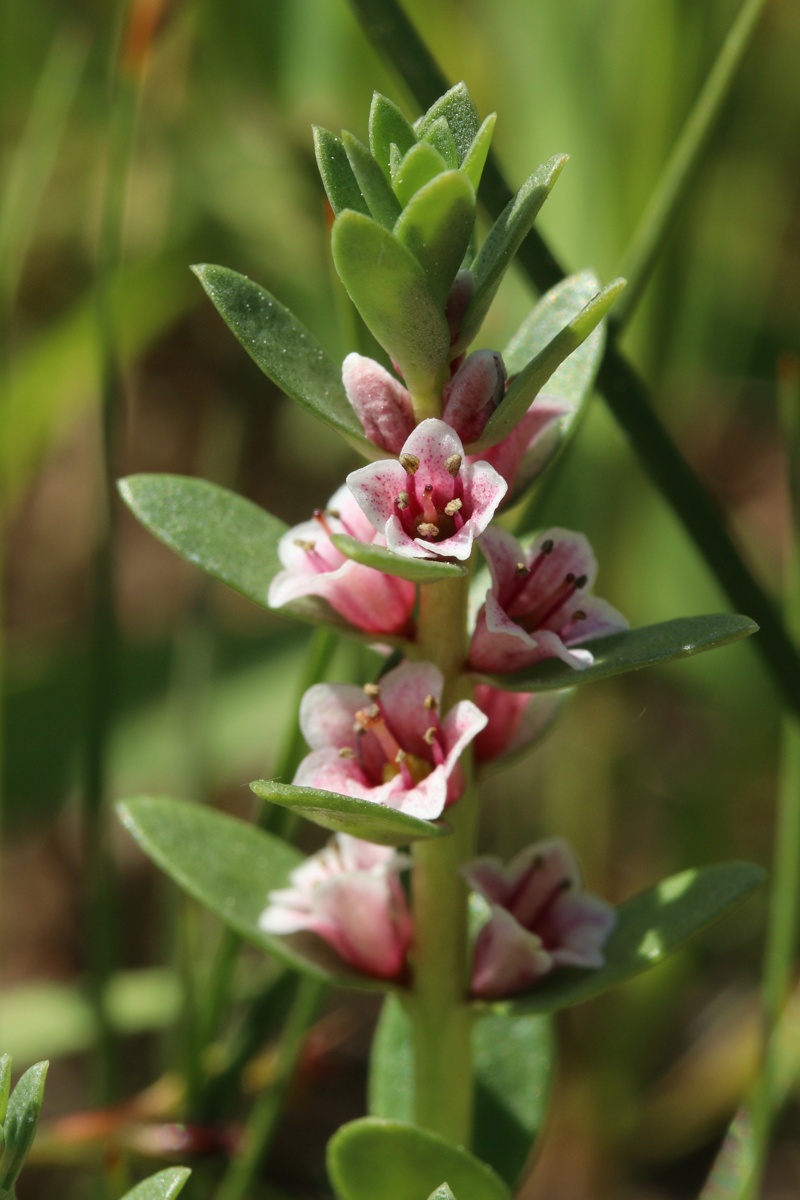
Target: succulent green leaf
{"x": 525, "y": 387}
{"x": 228, "y": 536}
{"x": 163, "y": 1186}
{"x": 632, "y": 650}
{"x": 284, "y": 349}
{"x": 389, "y": 288}
{"x": 370, "y": 1158}
{"x": 230, "y": 866}
{"x": 349, "y": 814}
{"x": 475, "y": 158}
{"x": 419, "y": 166}
{"x": 513, "y": 1058}
{"x": 21, "y": 1119}
{"x": 649, "y": 927}
{"x": 374, "y": 185}
{"x": 417, "y": 570}
{"x": 503, "y": 241}
{"x": 439, "y": 136}
{"x": 5, "y": 1084}
{"x": 388, "y": 125}
{"x": 337, "y": 175}
{"x": 458, "y": 108}
{"x": 553, "y": 311}
{"x": 442, "y": 1193}
{"x": 436, "y": 226}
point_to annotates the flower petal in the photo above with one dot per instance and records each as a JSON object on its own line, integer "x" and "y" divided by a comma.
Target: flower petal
{"x": 508, "y": 958}
{"x": 381, "y": 403}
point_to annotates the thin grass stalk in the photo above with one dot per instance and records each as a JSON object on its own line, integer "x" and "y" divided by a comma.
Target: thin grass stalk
{"x": 237, "y": 1183}
{"x": 665, "y": 201}
{"x": 626, "y": 394}
{"x": 782, "y": 922}
{"x": 104, "y": 637}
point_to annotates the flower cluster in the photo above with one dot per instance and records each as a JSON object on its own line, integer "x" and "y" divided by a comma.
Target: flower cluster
{"x": 444, "y": 467}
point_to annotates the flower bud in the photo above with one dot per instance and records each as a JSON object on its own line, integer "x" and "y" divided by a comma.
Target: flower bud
{"x": 474, "y": 392}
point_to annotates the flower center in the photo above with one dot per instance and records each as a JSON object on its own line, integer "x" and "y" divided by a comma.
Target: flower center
{"x": 427, "y": 510}
{"x": 532, "y": 607}
{"x": 412, "y": 768}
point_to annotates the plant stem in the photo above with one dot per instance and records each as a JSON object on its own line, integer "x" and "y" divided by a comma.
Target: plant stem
{"x": 237, "y": 1182}
{"x": 441, "y": 1019}
{"x": 782, "y": 923}
{"x": 665, "y": 200}
{"x": 104, "y": 634}
{"x": 393, "y": 36}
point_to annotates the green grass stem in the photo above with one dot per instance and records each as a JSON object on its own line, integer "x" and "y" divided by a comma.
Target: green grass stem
{"x": 240, "y": 1177}
{"x": 665, "y": 201}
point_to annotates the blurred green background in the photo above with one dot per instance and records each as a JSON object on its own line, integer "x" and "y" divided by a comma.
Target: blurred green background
{"x": 670, "y": 768}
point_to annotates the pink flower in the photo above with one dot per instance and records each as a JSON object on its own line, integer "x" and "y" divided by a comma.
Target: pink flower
{"x": 539, "y": 604}
{"x": 523, "y": 452}
{"x": 382, "y": 404}
{"x": 540, "y": 919}
{"x": 516, "y": 720}
{"x": 367, "y": 599}
{"x": 431, "y": 503}
{"x": 473, "y": 393}
{"x": 348, "y": 894}
{"x": 388, "y": 745}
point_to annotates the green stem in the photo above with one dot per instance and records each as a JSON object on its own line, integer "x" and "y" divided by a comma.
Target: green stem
{"x": 395, "y": 38}
{"x": 441, "y": 1019}
{"x": 782, "y": 922}
{"x": 238, "y": 1181}
{"x": 665, "y": 200}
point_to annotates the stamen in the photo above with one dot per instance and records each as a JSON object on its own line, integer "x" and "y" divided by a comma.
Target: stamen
{"x": 581, "y": 581}
{"x": 302, "y": 544}
{"x": 453, "y": 464}
{"x": 428, "y": 530}
{"x": 453, "y": 507}
{"x": 537, "y": 618}
{"x": 429, "y": 736}
{"x": 347, "y": 752}
{"x": 372, "y": 720}
{"x": 525, "y": 574}
{"x": 319, "y": 516}
{"x": 334, "y": 512}
{"x": 409, "y": 463}
{"x": 579, "y": 615}
{"x": 372, "y": 690}
{"x": 403, "y": 500}
{"x": 405, "y": 773}
{"x": 431, "y": 703}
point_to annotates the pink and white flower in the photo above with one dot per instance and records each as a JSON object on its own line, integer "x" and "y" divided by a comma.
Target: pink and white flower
{"x": 540, "y": 919}
{"x": 366, "y": 598}
{"x": 349, "y": 895}
{"x": 522, "y": 453}
{"x": 381, "y": 403}
{"x": 387, "y": 743}
{"x": 430, "y": 503}
{"x": 539, "y": 604}
{"x": 473, "y": 393}
{"x": 516, "y": 720}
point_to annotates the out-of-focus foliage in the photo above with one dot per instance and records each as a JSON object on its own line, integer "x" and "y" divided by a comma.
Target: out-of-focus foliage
{"x": 648, "y": 775}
